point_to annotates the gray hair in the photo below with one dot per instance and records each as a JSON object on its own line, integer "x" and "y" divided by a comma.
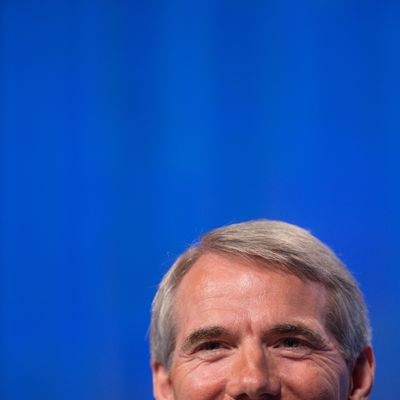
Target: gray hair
{"x": 276, "y": 245}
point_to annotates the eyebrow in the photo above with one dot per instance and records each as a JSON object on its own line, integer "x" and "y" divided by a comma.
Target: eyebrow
{"x": 298, "y": 329}
{"x": 207, "y": 333}
{"x": 216, "y": 332}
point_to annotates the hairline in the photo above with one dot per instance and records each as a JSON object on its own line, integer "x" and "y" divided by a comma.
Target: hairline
{"x": 295, "y": 252}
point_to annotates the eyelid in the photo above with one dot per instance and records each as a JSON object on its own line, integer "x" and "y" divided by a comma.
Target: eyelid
{"x": 296, "y": 339}
{"x": 300, "y": 331}
{"x": 303, "y": 343}
{"x": 208, "y": 342}
{"x": 202, "y": 346}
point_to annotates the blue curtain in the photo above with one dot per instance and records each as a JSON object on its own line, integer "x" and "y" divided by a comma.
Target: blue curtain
{"x": 127, "y": 129}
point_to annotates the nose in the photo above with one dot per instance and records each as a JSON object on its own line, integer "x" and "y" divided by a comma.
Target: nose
{"x": 253, "y": 376}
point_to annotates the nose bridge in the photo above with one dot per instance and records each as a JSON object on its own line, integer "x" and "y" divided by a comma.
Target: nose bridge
{"x": 253, "y": 373}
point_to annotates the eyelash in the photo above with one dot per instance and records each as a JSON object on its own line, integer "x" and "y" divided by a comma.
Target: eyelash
{"x": 295, "y": 341}
{"x": 291, "y": 344}
{"x": 215, "y": 345}
{"x": 209, "y": 346}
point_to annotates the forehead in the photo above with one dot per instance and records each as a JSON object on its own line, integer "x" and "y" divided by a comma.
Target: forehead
{"x": 219, "y": 286}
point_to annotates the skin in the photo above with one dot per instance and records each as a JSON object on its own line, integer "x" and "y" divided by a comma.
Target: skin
{"x": 248, "y": 332}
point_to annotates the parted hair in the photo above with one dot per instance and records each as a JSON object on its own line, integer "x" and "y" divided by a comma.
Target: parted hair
{"x": 277, "y": 245}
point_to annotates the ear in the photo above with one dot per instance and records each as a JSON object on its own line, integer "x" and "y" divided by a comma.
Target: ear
{"x": 162, "y": 386}
{"x": 362, "y": 376}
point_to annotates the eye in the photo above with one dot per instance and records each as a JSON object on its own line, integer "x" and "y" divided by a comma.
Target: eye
{"x": 294, "y": 347}
{"x": 210, "y": 346}
{"x": 292, "y": 343}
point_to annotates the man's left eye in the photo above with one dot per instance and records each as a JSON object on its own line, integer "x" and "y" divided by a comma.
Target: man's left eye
{"x": 292, "y": 343}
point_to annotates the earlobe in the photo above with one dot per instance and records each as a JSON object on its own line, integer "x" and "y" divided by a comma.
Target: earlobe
{"x": 162, "y": 387}
{"x": 362, "y": 376}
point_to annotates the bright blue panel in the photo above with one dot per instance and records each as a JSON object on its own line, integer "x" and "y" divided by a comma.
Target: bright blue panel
{"x": 127, "y": 129}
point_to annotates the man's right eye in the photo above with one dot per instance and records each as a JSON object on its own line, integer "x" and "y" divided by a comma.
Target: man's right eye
{"x": 209, "y": 346}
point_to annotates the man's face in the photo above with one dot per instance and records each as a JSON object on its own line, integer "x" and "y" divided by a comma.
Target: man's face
{"x": 247, "y": 332}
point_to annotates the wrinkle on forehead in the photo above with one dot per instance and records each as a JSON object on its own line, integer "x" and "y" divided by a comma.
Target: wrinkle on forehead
{"x": 214, "y": 276}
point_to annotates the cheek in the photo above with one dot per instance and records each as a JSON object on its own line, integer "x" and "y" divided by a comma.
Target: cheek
{"x": 314, "y": 381}
{"x": 201, "y": 383}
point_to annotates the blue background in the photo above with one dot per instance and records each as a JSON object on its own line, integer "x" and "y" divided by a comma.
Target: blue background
{"x": 127, "y": 129}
